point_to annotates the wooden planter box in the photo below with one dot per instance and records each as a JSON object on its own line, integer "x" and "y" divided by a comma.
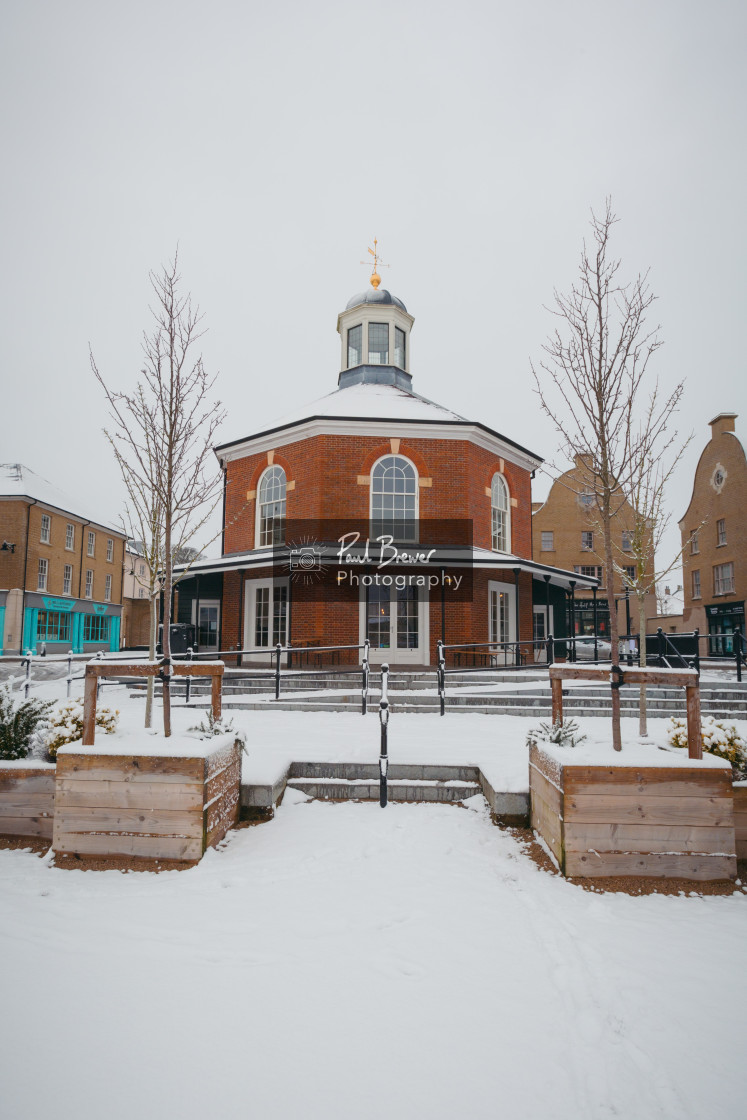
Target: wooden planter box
{"x": 145, "y": 806}
{"x": 26, "y": 799}
{"x": 740, "y": 818}
{"x": 665, "y": 822}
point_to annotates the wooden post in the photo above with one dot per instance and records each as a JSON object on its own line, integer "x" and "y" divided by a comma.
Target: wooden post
{"x": 215, "y": 694}
{"x": 557, "y": 700}
{"x": 694, "y": 739}
{"x": 89, "y": 707}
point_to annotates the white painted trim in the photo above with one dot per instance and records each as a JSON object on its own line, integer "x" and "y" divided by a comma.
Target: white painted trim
{"x": 250, "y": 586}
{"x": 383, "y": 430}
{"x": 510, "y": 590}
{"x": 393, "y": 455}
{"x": 393, "y": 656}
{"x": 258, "y": 502}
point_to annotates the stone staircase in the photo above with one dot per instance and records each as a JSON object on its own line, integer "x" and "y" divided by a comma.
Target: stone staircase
{"x": 480, "y": 693}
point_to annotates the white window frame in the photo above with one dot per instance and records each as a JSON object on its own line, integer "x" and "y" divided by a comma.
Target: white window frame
{"x": 45, "y": 530}
{"x": 251, "y": 586}
{"x": 69, "y": 537}
{"x": 420, "y": 655}
{"x": 207, "y": 603}
{"x": 258, "y": 503}
{"x": 89, "y": 584}
{"x": 42, "y": 574}
{"x": 499, "y": 477}
{"x": 694, "y": 543}
{"x": 587, "y": 547}
{"x": 697, "y": 593}
{"x": 108, "y": 588}
{"x": 541, "y": 654}
{"x": 67, "y": 579}
{"x": 109, "y": 550}
{"x": 720, "y": 532}
{"x": 508, "y": 589}
{"x": 91, "y": 543}
{"x": 404, "y": 459}
{"x": 544, "y": 547}
{"x": 723, "y": 585}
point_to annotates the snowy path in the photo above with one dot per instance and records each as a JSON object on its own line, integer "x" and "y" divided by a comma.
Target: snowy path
{"x": 343, "y": 962}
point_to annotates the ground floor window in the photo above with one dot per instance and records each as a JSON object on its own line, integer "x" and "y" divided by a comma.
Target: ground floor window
{"x": 267, "y": 614}
{"x": 208, "y": 623}
{"x": 722, "y": 622}
{"x": 583, "y": 617}
{"x": 96, "y": 628}
{"x": 53, "y": 626}
{"x": 392, "y": 616}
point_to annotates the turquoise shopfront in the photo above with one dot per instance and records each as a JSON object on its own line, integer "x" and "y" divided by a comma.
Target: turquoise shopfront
{"x": 56, "y": 625}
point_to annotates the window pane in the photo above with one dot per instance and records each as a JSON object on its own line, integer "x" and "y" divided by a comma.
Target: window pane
{"x": 262, "y": 617}
{"x": 407, "y": 617}
{"x": 279, "y": 614}
{"x": 548, "y": 542}
{"x": 355, "y": 346}
{"x": 394, "y": 498}
{"x": 272, "y": 491}
{"x": 42, "y": 577}
{"x": 399, "y": 348}
{"x": 70, "y": 536}
{"x": 45, "y": 524}
{"x": 378, "y": 344}
{"x": 379, "y": 608}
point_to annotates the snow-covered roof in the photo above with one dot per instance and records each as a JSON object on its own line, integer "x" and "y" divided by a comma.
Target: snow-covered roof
{"x": 372, "y": 402}
{"x": 377, "y": 404}
{"x": 17, "y": 481}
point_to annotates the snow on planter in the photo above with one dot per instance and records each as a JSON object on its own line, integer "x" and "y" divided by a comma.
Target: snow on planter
{"x": 642, "y": 813}
{"x": 163, "y": 801}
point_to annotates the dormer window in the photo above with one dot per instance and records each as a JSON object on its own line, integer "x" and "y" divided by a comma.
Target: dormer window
{"x": 378, "y": 344}
{"x": 399, "y": 348}
{"x": 355, "y": 346}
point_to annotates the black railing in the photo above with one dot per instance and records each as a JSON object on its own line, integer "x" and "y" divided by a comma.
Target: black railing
{"x": 279, "y": 672}
{"x": 384, "y": 747}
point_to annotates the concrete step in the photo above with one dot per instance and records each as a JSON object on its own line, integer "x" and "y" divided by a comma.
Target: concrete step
{"x": 398, "y": 789}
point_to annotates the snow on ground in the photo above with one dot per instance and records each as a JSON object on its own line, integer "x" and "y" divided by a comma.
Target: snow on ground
{"x": 347, "y": 961}
{"x": 343, "y": 961}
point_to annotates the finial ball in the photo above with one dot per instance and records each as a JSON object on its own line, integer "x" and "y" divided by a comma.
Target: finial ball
{"x": 375, "y": 279}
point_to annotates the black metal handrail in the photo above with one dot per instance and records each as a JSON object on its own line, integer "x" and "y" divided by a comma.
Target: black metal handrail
{"x": 384, "y": 742}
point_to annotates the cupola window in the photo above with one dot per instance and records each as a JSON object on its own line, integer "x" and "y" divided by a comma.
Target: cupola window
{"x": 378, "y": 344}
{"x": 394, "y": 498}
{"x": 399, "y": 348}
{"x": 501, "y": 517}
{"x": 355, "y": 346}
{"x": 271, "y": 511}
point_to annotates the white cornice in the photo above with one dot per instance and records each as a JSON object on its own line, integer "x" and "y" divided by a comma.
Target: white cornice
{"x": 382, "y": 429}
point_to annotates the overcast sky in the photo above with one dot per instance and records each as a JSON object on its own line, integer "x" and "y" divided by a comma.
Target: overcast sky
{"x": 274, "y": 141}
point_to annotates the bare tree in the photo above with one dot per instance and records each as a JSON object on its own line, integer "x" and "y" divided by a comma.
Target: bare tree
{"x": 590, "y": 383}
{"x": 162, "y": 435}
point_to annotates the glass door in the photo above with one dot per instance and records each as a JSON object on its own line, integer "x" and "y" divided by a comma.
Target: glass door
{"x": 207, "y": 626}
{"x": 396, "y": 624}
{"x": 266, "y": 614}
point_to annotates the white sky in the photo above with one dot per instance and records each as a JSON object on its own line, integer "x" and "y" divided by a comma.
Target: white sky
{"x": 274, "y": 141}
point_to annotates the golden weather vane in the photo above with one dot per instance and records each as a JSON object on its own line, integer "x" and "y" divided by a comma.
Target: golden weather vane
{"x": 377, "y": 261}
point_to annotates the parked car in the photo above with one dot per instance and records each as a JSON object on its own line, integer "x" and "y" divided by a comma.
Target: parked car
{"x": 585, "y": 649}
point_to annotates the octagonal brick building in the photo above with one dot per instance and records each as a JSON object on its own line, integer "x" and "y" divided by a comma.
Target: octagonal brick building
{"x": 374, "y": 459}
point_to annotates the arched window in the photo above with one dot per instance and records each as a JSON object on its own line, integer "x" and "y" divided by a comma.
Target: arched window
{"x": 271, "y": 508}
{"x": 501, "y": 514}
{"x": 394, "y": 498}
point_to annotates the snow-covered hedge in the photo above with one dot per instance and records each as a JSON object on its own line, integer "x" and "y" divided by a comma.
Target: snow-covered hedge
{"x": 719, "y": 738}
{"x": 66, "y": 724}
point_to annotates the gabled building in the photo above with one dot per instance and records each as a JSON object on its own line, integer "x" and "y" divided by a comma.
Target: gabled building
{"x": 565, "y": 532}
{"x": 374, "y": 460}
{"x": 60, "y": 569}
{"x": 714, "y": 538}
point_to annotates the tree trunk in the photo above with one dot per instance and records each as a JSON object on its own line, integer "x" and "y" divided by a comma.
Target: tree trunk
{"x": 166, "y": 641}
{"x": 152, "y": 641}
{"x": 614, "y": 631}
{"x": 642, "y": 708}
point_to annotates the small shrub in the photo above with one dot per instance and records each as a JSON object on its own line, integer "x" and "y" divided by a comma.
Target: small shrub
{"x": 66, "y": 725}
{"x": 561, "y": 734}
{"x": 212, "y": 726}
{"x": 719, "y": 738}
{"x": 20, "y": 722}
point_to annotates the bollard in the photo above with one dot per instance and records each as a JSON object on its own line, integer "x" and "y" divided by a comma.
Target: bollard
{"x": 27, "y": 682}
{"x": 69, "y": 672}
{"x": 384, "y": 721}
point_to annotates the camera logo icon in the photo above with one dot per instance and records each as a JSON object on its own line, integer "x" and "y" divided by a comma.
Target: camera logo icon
{"x": 305, "y": 559}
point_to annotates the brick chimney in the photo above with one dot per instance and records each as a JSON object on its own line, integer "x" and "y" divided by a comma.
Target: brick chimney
{"x": 724, "y": 422}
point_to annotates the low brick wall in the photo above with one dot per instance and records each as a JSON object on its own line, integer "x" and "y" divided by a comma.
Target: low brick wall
{"x": 145, "y": 806}
{"x": 26, "y": 799}
{"x": 667, "y": 822}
